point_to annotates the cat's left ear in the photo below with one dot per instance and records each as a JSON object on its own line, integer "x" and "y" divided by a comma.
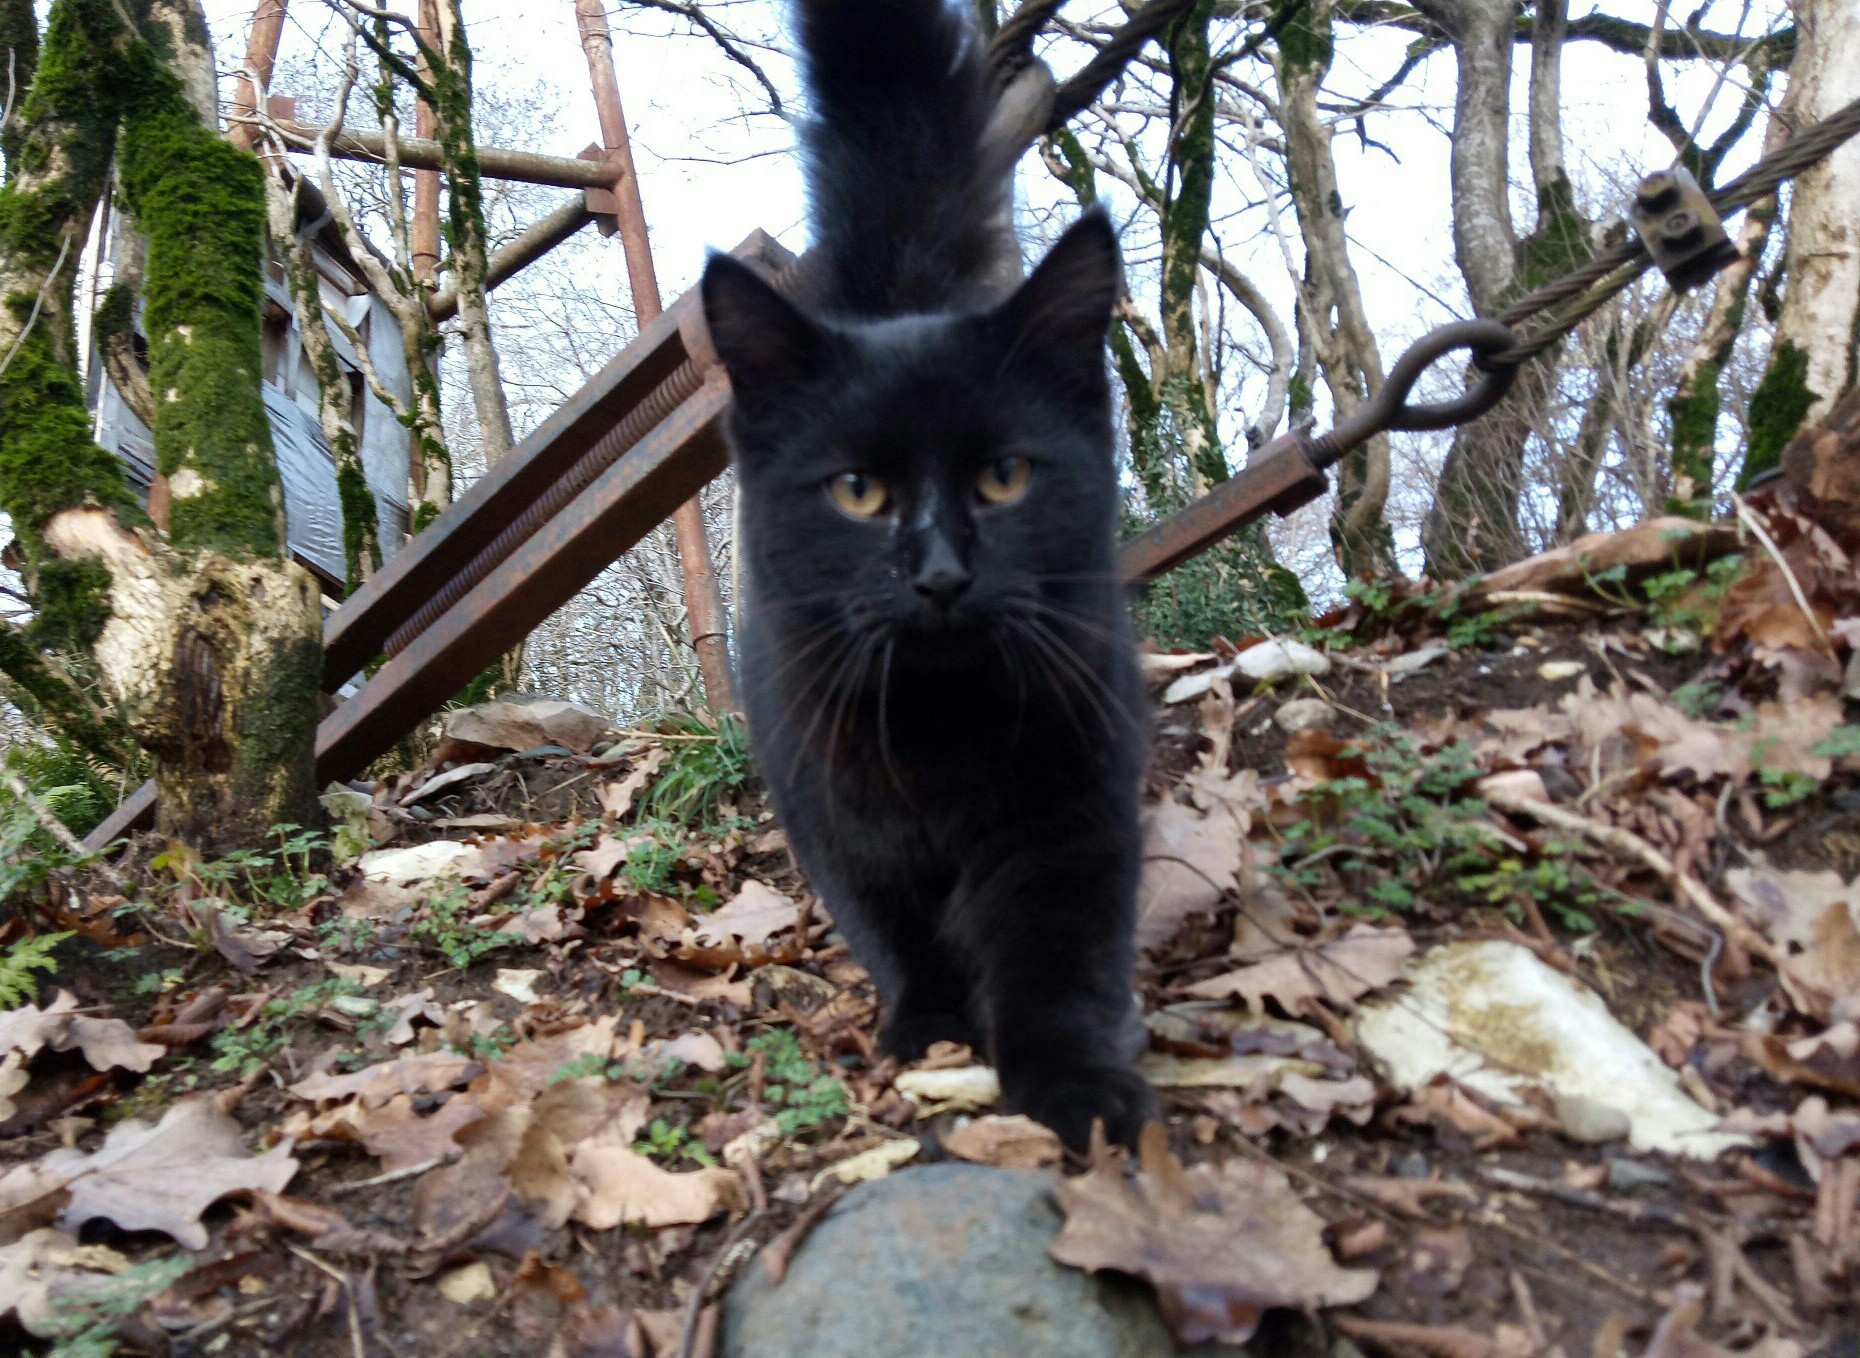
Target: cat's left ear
{"x": 1059, "y": 316}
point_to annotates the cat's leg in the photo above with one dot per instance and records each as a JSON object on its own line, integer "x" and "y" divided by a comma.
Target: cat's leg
{"x": 893, "y": 925}
{"x": 1050, "y": 923}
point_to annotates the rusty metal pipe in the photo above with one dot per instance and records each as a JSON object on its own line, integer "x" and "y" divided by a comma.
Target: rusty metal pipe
{"x": 420, "y": 153}
{"x": 536, "y": 240}
{"x": 703, "y": 598}
{"x": 261, "y": 55}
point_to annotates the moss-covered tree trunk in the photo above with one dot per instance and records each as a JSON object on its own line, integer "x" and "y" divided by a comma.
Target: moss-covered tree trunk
{"x": 210, "y": 641}
{"x": 1473, "y": 524}
{"x": 1331, "y": 299}
{"x": 1816, "y": 355}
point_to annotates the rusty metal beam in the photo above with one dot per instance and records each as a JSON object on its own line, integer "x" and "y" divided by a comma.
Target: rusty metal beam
{"x": 536, "y": 240}
{"x": 420, "y": 153}
{"x": 1278, "y": 479}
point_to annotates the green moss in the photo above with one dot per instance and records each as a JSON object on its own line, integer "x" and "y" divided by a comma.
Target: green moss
{"x": 1560, "y": 241}
{"x": 200, "y": 201}
{"x": 1694, "y": 415}
{"x": 1306, "y": 45}
{"x": 1777, "y": 408}
{"x": 361, "y": 539}
{"x": 19, "y": 55}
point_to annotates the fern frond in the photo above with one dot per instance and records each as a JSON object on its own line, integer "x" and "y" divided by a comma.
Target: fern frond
{"x": 18, "y": 985}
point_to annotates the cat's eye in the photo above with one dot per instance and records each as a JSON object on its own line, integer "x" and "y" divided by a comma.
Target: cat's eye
{"x": 858, "y": 494}
{"x": 1004, "y": 481}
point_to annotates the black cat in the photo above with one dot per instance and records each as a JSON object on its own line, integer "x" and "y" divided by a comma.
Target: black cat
{"x": 935, "y": 662}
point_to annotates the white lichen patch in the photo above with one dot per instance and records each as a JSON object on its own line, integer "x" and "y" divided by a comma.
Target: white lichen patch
{"x": 1496, "y": 1019}
{"x": 188, "y": 484}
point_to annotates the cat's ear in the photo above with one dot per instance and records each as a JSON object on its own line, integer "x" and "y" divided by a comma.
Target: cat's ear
{"x": 1060, "y": 314}
{"x": 765, "y": 341}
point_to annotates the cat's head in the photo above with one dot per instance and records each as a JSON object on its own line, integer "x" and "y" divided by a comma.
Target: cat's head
{"x": 926, "y": 477}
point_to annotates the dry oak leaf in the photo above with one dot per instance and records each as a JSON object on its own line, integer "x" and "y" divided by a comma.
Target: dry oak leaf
{"x": 617, "y": 798}
{"x": 45, "y": 1275}
{"x": 754, "y": 915}
{"x": 1338, "y": 973}
{"x": 1190, "y": 862}
{"x": 1221, "y": 1244}
{"x": 108, "y": 1044}
{"x": 621, "y": 1186}
{"x": 1016, "y": 1142}
{"x": 372, "y": 1086}
{"x": 13, "y": 1078}
{"x": 1815, "y": 918}
{"x": 394, "y": 1133}
{"x": 145, "y": 1178}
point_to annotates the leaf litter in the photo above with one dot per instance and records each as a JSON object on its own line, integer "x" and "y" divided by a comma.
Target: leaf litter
{"x": 551, "y": 1077}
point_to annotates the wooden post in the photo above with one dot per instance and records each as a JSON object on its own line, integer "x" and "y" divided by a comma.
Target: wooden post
{"x": 703, "y": 599}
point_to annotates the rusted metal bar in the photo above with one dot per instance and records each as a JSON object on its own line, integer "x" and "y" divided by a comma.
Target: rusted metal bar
{"x": 261, "y": 55}
{"x": 425, "y": 242}
{"x": 360, "y": 629}
{"x": 420, "y": 153}
{"x": 703, "y": 598}
{"x": 1278, "y": 479}
{"x": 536, "y": 240}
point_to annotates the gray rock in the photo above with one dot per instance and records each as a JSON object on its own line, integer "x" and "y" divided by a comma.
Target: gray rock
{"x": 1586, "y": 1120}
{"x": 943, "y": 1261}
{"x": 1625, "y": 1175}
{"x": 1304, "y": 714}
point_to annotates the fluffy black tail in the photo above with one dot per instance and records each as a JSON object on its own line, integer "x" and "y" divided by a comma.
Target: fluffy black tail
{"x": 908, "y": 173}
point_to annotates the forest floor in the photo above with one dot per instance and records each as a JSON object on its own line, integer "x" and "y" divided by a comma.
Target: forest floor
{"x": 1501, "y": 954}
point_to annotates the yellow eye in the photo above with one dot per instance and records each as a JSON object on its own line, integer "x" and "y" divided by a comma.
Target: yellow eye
{"x": 859, "y": 495}
{"x": 1005, "y": 481}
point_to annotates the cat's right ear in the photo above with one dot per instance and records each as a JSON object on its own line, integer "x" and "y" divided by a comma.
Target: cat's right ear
{"x": 765, "y": 341}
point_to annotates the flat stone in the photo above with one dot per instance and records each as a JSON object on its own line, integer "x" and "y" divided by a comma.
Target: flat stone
{"x": 1304, "y": 714}
{"x": 943, "y": 1261}
{"x": 1625, "y": 1175}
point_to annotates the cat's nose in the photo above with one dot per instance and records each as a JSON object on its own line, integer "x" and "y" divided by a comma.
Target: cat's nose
{"x": 942, "y": 582}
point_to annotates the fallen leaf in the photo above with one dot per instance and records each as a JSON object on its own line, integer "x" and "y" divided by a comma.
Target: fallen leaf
{"x": 1190, "y": 862}
{"x": 468, "y": 1283}
{"x": 365, "y": 977}
{"x": 144, "y": 1178}
{"x": 374, "y": 1085}
{"x": 942, "y": 1091}
{"x": 1221, "y": 1244}
{"x": 1016, "y": 1142}
{"x": 439, "y": 782}
{"x": 45, "y": 1275}
{"x": 1815, "y": 918}
{"x": 107, "y": 1044}
{"x": 750, "y": 918}
{"x": 1338, "y": 973}
{"x": 13, "y": 1078}
{"x": 518, "y": 982}
{"x": 871, "y": 1164}
{"x": 617, "y": 798}
{"x": 394, "y": 1133}
{"x": 621, "y": 1186}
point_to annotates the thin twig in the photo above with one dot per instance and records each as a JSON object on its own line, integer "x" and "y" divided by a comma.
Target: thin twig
{"x": 1762, "y": 535}
{"x": 1734, "y": 928}
{"x": 38, "y": 303}
{"x": 687, "y": 1336}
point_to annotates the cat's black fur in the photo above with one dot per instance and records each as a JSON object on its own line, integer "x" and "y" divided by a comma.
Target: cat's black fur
{"x": 944, "y": 698}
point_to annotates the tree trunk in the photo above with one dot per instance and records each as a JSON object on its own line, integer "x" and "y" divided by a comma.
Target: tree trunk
{"x": 1696, "y": 400}
{"x": 1345, "y": 346}
{"x": 1473, "y": 522}
{"x": 1816, "y": 355}
{"x": 210, "y": 642}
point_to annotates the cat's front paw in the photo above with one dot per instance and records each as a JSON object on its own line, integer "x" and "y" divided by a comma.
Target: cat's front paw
{"x": 907, "y": 1034}
{"x": 1070, "y": 1099}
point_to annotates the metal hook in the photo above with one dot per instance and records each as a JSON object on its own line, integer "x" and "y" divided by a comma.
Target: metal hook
{"x": 1389, "y": 408}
